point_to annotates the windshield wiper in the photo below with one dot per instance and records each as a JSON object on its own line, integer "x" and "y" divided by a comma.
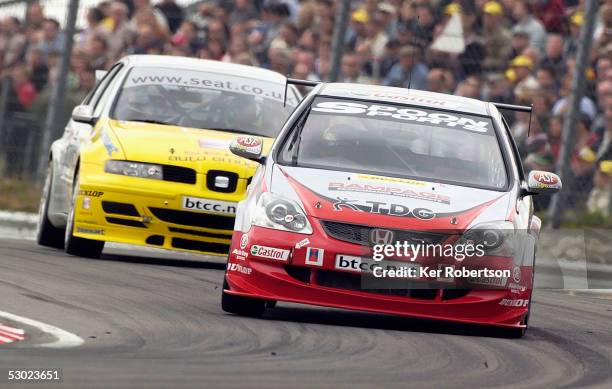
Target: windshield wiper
{"x": 152, "y": 121}
{"x": 234, "y": 131}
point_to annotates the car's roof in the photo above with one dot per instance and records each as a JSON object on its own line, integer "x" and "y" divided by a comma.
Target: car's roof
{"x": 406, "y": 96}
{"x": 205, "y": 65}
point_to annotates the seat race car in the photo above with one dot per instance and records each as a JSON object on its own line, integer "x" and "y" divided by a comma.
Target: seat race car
{"x": 371, "y": 198}
{"x": 145, "y": 160}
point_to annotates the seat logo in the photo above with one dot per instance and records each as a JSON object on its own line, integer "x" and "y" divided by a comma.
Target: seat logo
{"x": 380, "y": 236}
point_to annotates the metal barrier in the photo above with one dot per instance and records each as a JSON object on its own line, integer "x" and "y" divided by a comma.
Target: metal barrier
{"x": 20, "y": 145}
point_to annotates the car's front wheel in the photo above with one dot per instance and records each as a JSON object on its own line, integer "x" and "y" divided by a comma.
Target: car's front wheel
{"x": 46, "y": 233}
{"x": 517, "y": 333}
{"x": 239, "y": 305}
{"x": 75, "y": 245}
{"x": 520, "y": 332}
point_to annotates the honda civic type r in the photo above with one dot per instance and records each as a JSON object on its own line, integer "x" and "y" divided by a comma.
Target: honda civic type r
{"x": 145, "y": 158}
{"x": 371, "y": 198}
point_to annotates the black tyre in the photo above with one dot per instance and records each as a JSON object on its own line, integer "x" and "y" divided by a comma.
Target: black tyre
{"x": 243, "y": 306}
{"x": 516, "y": 333}
{"x": 520, "y": 332}
{"x": 46, "y": 233}
{"x": 74, "y": 245}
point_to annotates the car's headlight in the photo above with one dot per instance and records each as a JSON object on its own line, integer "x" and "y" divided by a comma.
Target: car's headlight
{"x": 134, "y": 169}
{"x": 495, "y": 238}
{"x": 280, "y": 213}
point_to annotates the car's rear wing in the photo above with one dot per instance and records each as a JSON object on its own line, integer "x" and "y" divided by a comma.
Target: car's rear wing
{"x": 296, "y": 81}
{"x": 512, "y": 107}
{"x": 517, "y": 108}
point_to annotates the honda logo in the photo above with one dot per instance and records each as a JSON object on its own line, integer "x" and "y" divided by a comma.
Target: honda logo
{"x": 379, "y": 236}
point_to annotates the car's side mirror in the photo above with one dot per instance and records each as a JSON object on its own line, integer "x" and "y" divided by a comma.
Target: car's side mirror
{"x": 83, "y": 114}
{"x": 249, "y": 147}
{"x": 540, "y": 182}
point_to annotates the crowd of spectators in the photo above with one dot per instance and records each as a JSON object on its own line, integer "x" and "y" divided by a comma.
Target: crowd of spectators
{"x": 511, "y": 51}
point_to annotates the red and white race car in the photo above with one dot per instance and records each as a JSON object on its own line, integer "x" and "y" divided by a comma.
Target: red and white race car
{"x": 371, "y": 199}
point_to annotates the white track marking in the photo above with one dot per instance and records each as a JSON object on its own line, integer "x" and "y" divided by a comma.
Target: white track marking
{"x": 6, "y": 340}
{"x": 16, "y": 331}
{"x": 594, "y": 291}
{"x": 10, "y": 334}
{"x": 9, "y": 337}
{"x": 19, "y": 217}
{"x": 597, "y": 293}
{"x": 65, "y": 339}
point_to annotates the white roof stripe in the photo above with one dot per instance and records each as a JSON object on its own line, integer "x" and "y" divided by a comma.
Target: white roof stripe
{"x": 407, "y": 96}
{"x": 206, "y": 65}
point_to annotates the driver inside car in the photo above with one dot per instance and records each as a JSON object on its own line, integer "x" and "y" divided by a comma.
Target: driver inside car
{"x": 243, "y": 110}
{"x": 347, "y": 143}
{"x": 142, "y": 105}
{"x": 334, "y": 141}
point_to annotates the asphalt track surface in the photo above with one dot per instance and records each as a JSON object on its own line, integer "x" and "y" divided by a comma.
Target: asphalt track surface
{"x": 155, "y": 321}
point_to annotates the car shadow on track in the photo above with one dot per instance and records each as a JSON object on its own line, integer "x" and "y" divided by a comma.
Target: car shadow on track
{"x": 146, "y": 260}
{"x": 344, "y": 318}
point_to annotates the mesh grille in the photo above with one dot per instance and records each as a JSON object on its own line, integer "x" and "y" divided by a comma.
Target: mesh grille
{"x": 156, "y": 240}
{"x": 360, "y": 234}
{"x": 125, "y": 222}
{"x": 179, "y": 174}
{"x": 207, "y": 247}
{"x": 199, "y": 233}
{"x": 194, "y": 219}
{"x": 349, "y": 281}
{"x": 119, "y": 208}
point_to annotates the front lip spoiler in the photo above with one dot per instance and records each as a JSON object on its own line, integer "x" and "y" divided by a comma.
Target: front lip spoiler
{"x": 351, "y": 308}
{"x": 268, "y": 281}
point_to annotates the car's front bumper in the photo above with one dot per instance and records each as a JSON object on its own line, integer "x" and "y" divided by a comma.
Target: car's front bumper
{"x": 294, "y": 281}
{"x": 147, "y": 212}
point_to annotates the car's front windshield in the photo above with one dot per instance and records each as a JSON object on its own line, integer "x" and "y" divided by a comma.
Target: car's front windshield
{"x": 197, "y": 99}
{"x": 395, "y": 140}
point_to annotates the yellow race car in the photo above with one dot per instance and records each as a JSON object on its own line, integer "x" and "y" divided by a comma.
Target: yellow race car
{"x": 145, "y": 159}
